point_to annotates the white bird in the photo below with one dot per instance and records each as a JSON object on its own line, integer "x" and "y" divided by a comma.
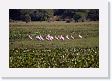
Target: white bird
{"x": 56, "y": 37}
{"x": 62, "y": 38}
{"x": 38, "y": 37}
{"x": 47, "y": 37}
{"x": 50, "y": 38}
{"x": 80, "y": 36}
{"x": 41, "y": 37}
{"x": 30, "y": 37}
{"x": 67, "y": 37}
{"x": 72, "y": 37}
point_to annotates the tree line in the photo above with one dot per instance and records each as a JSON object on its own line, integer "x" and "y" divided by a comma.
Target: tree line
{"x": 50, "y": 15}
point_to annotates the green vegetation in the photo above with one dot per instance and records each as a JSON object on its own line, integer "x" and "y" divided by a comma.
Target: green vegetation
{"x": 76, "y": 15}
{"x": 73, "y": 53}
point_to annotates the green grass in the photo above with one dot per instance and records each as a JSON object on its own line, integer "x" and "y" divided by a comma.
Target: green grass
{"x": 77, "y": 53}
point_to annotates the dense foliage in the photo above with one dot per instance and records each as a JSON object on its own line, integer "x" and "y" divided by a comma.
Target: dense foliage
{"x": 54, "y": 14}
{"x": 54, "y": 58}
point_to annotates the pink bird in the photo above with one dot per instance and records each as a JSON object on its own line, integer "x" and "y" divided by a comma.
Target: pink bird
{"x": 62, "y": 38}
{"x": 50, "y": 38}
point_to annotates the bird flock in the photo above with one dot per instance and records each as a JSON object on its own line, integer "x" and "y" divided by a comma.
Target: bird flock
{"x": 50, "y": 37}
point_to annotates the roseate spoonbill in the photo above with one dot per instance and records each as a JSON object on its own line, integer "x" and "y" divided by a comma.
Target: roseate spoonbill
{"x": 62, "y": 38}
{"x": 49, "y": 37}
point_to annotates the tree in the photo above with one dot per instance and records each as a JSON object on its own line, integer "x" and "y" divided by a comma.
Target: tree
{"x": 54, "y": 14}
{"x": 27, "y": 18}
{"x": 93, "y": 15}
{"x": 76, "y": 17}
{"x": 14, "y": 14}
